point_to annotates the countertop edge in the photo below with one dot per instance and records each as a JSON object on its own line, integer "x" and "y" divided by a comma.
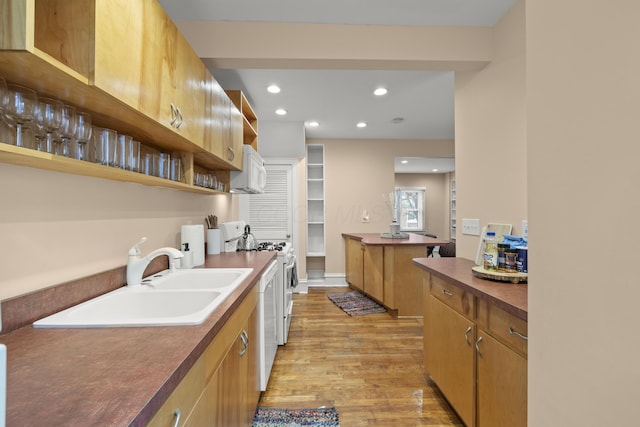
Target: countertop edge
{"x": 37, "y": 360}
{"x": 458, "y": 272}
{"x": 374, "y": 239}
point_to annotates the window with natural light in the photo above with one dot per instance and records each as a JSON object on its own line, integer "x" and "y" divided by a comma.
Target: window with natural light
{"x": 410, "y": 209}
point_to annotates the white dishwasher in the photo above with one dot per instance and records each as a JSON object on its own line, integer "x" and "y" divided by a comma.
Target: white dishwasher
{"x": 267, "y": 340}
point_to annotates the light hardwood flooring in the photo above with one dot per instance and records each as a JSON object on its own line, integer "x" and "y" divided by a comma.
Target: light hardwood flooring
{"x": 369, "y": 367}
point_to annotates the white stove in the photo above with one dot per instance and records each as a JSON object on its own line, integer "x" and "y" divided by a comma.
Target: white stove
{"x": 287, "y": 275}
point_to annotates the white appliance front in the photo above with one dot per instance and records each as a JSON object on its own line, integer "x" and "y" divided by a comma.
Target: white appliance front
{"x": 267, "y": 334}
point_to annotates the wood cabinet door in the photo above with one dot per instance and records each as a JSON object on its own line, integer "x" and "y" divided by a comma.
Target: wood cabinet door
{"x": 250, "y": 366}
{"x": 130, "y": 42}
{"x": 449, "y": 356}
{"x": 354, "y": 262}
{"x": 373, "y": 278}
{"x": 502, "y": 385}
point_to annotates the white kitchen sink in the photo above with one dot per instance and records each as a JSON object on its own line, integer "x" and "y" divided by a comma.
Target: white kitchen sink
{"x": 200, "y": 278}
{"x": 183, "y": 297}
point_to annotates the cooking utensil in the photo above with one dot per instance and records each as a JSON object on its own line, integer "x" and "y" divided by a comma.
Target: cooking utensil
{"x": 247, "y": 242}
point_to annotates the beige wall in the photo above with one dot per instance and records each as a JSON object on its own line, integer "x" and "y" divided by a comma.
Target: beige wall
{"x": 357, "y": 174}
{"x": 490, "y": 133}
{"x": 583, "y": 93}
{"x": 56, "y": 227}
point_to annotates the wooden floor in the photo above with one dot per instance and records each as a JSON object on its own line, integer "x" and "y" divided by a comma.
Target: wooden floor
{"x": 369, "y": 367}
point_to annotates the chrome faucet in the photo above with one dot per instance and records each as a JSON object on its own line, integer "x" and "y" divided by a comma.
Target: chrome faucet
{"x": 136, "y": 265}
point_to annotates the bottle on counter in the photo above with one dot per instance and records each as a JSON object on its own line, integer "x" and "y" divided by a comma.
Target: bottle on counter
{"x": 502, "y": 247}
{"x": 510, "y": 256}
{"x": 491, "y": 251}
{"x": 187, "y": 257}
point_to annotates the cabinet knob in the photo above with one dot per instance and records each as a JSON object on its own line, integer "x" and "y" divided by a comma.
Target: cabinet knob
{"x": 447, "y": 293}
{"x": 244, "y": 337}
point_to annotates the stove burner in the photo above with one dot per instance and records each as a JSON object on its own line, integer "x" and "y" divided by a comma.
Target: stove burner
{"x": 271, "y": 246}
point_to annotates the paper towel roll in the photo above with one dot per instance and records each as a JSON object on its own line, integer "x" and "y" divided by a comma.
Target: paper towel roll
{"x": 194, "y": 236}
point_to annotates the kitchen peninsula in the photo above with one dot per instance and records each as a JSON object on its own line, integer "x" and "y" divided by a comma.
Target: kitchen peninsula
{"x": 475, "y": 342}
{"x": 382, "y": 268}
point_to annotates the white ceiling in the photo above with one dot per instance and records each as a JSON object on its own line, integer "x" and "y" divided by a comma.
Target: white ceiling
{"x": 338, "y": 99}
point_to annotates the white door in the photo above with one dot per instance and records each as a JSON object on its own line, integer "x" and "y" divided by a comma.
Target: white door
{"x": 271, "y": 214}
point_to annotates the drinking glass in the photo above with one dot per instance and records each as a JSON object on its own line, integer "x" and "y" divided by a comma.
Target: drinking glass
{"x": 132, "y": 154}
{"x": 48, "y": 121}
{"x": 163, "y": 161}
{"x": 105, "y": 141}
{"x": 82, "y": 135}
{"x": 6, "y": 135}
{"x": 175, "y": 169}
{"x": 20, "y": 110}
{"x": 121, "y": 150}
{"x": 66, "y": 131}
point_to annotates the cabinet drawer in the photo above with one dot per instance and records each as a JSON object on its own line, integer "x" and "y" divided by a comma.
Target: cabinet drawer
{"x": 453, "y": 296}
{"x": 507, "y": 328}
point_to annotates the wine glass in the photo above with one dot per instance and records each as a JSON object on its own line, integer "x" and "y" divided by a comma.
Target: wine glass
{"x": 82, "y": 134}
{"x": 48, "y": 120}
{"x": 66, "y": 131}
{"x": 5, "y": 134}
{"x": 20, "y": 110}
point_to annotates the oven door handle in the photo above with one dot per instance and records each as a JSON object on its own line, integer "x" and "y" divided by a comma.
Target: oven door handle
{"x": 291, "y": 263}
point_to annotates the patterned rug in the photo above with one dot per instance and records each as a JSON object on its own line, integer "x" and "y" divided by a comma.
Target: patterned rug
{"x": 355, "y": 303}
{"x": 276, "y": 417}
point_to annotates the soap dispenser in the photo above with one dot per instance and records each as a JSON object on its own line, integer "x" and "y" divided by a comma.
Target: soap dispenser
{"x": 187, "y": 259}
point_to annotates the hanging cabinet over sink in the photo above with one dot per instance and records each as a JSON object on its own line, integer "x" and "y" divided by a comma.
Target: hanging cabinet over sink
{"x": 126, "y": 64}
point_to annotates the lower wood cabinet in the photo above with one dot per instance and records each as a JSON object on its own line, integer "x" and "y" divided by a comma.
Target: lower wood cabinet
{"x": 222, "y": 387}
{"x": 386, "y": 273}
{"x": 354, "y": 262}
{"x": 476, "y": 353}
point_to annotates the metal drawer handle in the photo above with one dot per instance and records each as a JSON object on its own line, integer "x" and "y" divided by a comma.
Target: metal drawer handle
{"x": 478, "y": 348}
{"x": 244, "y": 337}
{"x": 518, "y": 334}
{"x": 232, "y": 154}
{"x": 174, "y": 114}
{"x": 466, "y": 335}
{"x": 447, "y": 293}
{"x": 179, "y": 123}
{"x": 177, "y": 415}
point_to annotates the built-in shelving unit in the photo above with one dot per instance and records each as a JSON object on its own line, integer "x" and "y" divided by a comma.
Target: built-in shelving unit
{"x": 249, "y": 118}
{"x": 315, "y": 201}
{"x": 452, "y": 235}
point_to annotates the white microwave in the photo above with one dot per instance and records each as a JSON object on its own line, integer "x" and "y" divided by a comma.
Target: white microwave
{"x": 253, "y": 177}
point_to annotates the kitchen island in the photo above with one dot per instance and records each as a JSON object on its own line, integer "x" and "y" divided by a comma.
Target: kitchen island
{"x": 475, "y": 342}
{"x": 125, "y": 376}
{"x": 382, "y": 268}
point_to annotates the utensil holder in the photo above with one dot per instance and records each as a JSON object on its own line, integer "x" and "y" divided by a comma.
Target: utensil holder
{"x": 214, "y": 237}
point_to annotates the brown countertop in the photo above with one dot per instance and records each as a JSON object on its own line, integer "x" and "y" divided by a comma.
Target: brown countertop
{"x": 508, "y": 296}
{"x": 111, "y": 376}
{"x": 413, "y": 239}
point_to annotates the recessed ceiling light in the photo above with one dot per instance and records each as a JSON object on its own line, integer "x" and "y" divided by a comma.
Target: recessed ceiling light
{"x": 313, "y": 124}
{"x": 362, "y": 124}
{"x": 380, "y": 91}
{"x": 273, "y": 89}
{"x": 397, "y": 120}
{"x": 404, "y": 162}
{"x": 434, "y": 170}
{"x": 281, "y": 112}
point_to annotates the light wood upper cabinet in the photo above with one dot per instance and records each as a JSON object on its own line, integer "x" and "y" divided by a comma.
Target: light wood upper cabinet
{"x": 125, "y": 63}
{"x": 163, "y": 77}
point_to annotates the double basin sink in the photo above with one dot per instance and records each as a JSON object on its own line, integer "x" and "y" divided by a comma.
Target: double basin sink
{"x": 180, "y": 297}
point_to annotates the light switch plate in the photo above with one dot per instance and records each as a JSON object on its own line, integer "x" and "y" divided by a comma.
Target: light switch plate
{"x": 471, "y": 226}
